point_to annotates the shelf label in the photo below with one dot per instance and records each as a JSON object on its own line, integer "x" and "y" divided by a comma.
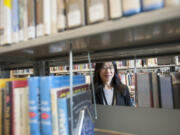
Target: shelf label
{"x": 31, "y": 32}
{"x": 61, "y": 21}
{"x": 96, "y": 12}
{"x": 74, "y": 18}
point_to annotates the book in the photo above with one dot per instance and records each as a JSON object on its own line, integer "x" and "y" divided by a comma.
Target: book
{"x": 61, "y": 15}
{"x": 6, "y": 23}
{"x": 82, "y": 114}
{"x": 47, "y": 84}
{"x": 39, "y": 18}
{"x": 131, "y": 7}
{"x": 97, "y": 10}
{"x": 115, "y": 8}
{"x": 144, "y": 89}
{"x": 166, "y": 92}
{"x": 20, "y": 108}
{"x": 1, "y": 23}
{"x": 155, "y": 90}
{"x": 15, "y": 21}
{"x": 8, "y": 108}
{"x": 31, "y": 7}
{"x": 34, "y": 105}
{"x": 148, "y": 5}
{"x": 53, "y": 16}
{"x": 21, "y": 19}
{"x": 7, "y": 104}
{"x": 75, "y": 13}
{"x": 47, "y": 16}
{"x": 62, "y": 92}
{"x": 25, "y": 17}
{"x": 176, "y": 89}
{"x": 171, "y": 3}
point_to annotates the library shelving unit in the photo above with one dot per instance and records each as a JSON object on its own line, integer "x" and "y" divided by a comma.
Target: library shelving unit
{"x": 155, "y": 33}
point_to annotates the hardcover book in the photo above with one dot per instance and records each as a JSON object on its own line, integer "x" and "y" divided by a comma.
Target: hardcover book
{"x": 34, "y": 105}
{"x": 75, "y": 13}
{"x": 97, "y": 10}
{"x": 166, "y": 91}
{"x": 176, "y": 89}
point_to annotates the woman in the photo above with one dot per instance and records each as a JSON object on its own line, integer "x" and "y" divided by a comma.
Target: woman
{"x": 108, "y": 87}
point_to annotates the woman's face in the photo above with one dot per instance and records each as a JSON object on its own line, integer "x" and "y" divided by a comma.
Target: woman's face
{"x": 107, "y": 72}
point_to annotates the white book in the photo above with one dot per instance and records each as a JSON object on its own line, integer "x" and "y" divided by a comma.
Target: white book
{"x": 21, "y": 20}
{"x": 53, "y": 16}
{"x": 25, "y": 20}
{"x": 172, "y": 3}
{"x": 115, "y": 8}
{"x": 1, "y": 25}
{"x": 17, "y": 114}
{"x": 61, "y": 17}
{"x": 6, "y": 23}
{"x": 54, "y": 109}
{"x": 25, "y": 111}
{"x": 131, "y": 7}
{"x": 47, "y": 16}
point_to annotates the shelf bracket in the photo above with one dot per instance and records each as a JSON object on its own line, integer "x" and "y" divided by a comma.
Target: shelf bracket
{"x": 92, "y": 82}
{"x": 41, "y": 68}
{"x": 71, "y": 84}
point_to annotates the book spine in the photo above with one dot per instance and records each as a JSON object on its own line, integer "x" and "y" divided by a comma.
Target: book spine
{"x": 8, "y": 109}
{"x": 45, "y": 106}
{"x": 53, "y": 16}
{"x": 54, "y": 108}
{"x": 25, "y": 20}
{"x": 33, "y": 84}
{"x": 21, "y": 20}
{"x": 74, "y": 17}
{"x": 47, "y": 16}
{"x": 61, "y": 15}
{"x": 15, "y": 21}
{"x": 24, "y": 111}
{"x": 39, "y": 18}
{"x": 152, "y": 4}
{"x": 1, "y": 112}
{"x": 6, "y": 22}
{"x": 131, "y": 7}
{"x": 17, "y": 112}
{"x": 63, "y": 116}
{"x": 31, "y": 19}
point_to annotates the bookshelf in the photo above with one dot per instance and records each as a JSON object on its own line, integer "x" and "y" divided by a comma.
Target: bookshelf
{"x": 126, "y": 38}
{"x": 157, "y": 34}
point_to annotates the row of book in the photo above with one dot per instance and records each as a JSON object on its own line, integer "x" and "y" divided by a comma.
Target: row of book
{"x": 158, "y": 90}
{"x": 42, "y": 106}
{"x": 21, "y": 20}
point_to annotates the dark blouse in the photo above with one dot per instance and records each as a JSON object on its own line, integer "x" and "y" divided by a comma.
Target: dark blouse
{"x": 120, "y": 99}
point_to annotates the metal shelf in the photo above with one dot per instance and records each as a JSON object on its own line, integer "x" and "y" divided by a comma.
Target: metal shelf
{"x": 143, "y": 35}
{"x": 137, "y": 121}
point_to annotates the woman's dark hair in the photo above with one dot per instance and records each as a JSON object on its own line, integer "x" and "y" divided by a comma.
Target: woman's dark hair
{"x": 116, "y": 82}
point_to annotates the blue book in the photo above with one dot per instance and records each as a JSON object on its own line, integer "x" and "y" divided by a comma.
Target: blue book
{"x": 15, "y": 20}
{"x": 63, "y": 116}
{"x": 148, "y": 5}
{"x": 82, "y": 114}
{"x": 46, "y": 85}
{"x": 33, "y": 84}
